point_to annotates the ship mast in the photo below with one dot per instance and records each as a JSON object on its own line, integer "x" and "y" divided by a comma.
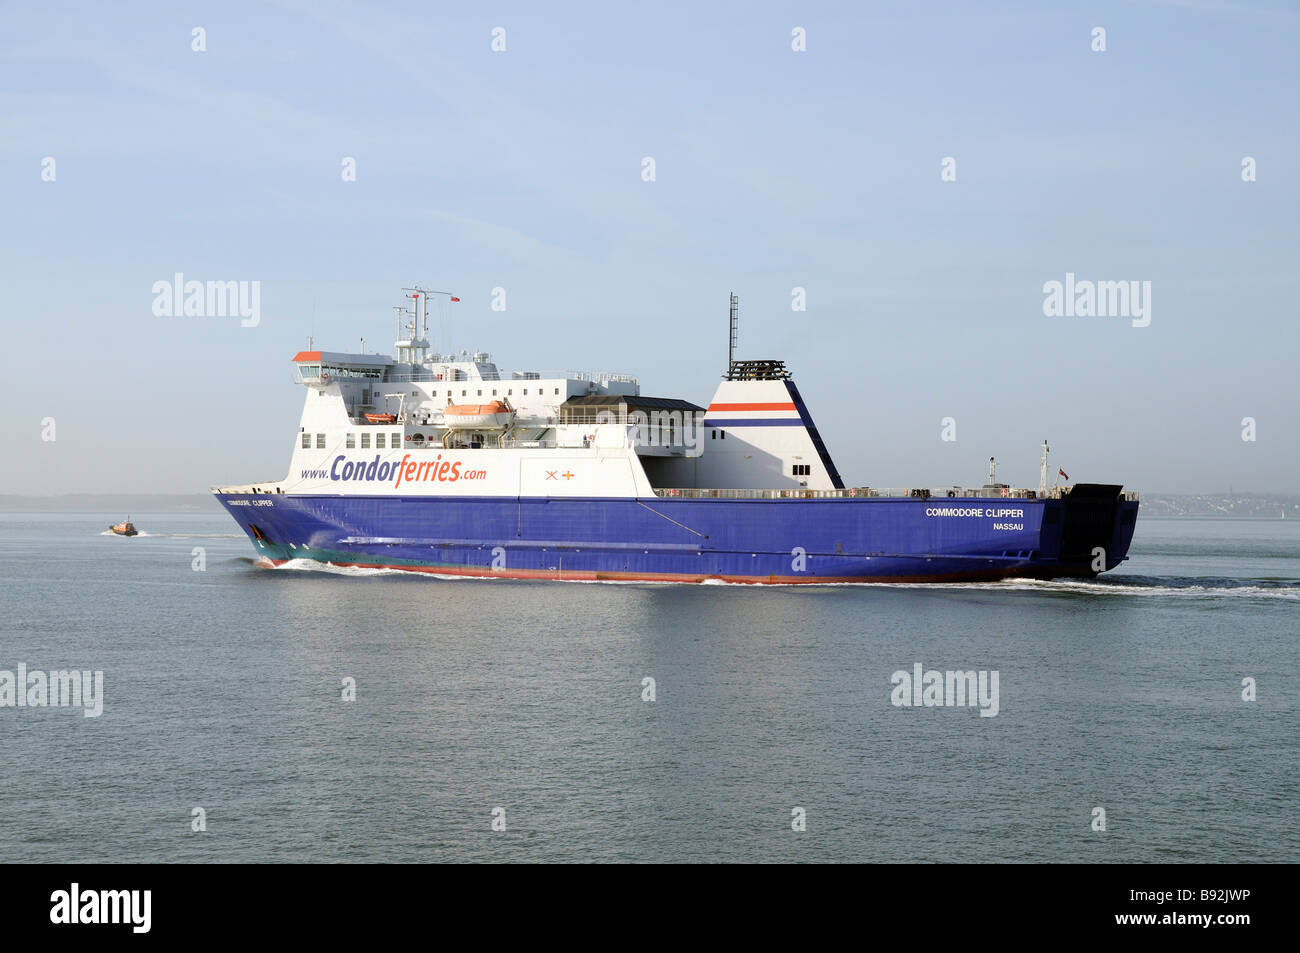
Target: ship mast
{"x": 735, "y": 326}
{"x": 420, "y": 320}
{"x": 402, "y": 342}
{"x": 1042, "y": 472}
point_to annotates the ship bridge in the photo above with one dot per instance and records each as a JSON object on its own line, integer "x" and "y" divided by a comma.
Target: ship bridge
{"x": 326, "y": 367}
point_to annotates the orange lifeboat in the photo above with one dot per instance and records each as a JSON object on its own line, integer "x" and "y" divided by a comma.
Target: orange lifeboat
{"x": 381, "y": 418}
{"x": 495, "y": 415}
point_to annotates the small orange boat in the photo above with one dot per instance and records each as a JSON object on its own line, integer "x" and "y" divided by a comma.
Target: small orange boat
{"x": 125, "y": 528}
{"x": 491, "y": 416}
{"x": 382, "y": 418}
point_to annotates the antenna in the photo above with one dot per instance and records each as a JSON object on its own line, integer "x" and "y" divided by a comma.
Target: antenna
{"x": 401, "y": 309}
{"x": 735, "y": 327}
{"x": 421, "y": 328}
{"x": 993, "y": 472}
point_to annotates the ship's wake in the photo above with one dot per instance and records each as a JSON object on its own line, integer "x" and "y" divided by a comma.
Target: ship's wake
{"x": 314, "y": 565}
{"x": 143, "y": 535}
{"x": 1195, "y": 587}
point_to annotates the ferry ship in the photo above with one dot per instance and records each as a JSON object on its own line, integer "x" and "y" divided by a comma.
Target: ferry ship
{"x": 441, "y": 463}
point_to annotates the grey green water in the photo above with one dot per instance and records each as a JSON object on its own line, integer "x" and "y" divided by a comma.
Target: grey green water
{"x": 223, "y": 691}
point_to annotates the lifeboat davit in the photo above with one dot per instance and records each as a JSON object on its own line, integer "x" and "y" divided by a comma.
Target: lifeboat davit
{"x": 492, "y": 416}
{"x": 382, "y": 418}
{"x": 126, "y": 528}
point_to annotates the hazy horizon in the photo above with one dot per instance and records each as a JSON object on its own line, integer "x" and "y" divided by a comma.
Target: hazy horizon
{"x": 775, "y": 169}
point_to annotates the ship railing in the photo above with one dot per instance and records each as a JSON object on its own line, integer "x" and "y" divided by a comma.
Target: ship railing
{"x": 674, "y": 418}
{"x": 941, "y": 494}
{"x": 871, "y": 492}
{"x": 510, "y": 377}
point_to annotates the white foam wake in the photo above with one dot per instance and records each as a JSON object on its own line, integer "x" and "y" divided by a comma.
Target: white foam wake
{"x": 1132, "y": 586}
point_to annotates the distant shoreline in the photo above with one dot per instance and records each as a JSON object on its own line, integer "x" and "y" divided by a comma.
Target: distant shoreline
{"x": 97, "y": 502}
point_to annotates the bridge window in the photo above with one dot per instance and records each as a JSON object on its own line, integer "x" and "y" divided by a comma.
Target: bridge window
{"x": 365, "y": 441}
{"x": 352, "y": 441}
{"x": 802, "y": 469}
{"x": 306, "y": 441}
{"x": 320, "y": 441}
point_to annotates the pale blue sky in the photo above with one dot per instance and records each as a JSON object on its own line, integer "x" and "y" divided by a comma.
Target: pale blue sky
{"x": 775, "y": 169}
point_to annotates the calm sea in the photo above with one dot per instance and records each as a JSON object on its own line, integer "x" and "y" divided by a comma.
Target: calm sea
{"x": 523, "y": 703}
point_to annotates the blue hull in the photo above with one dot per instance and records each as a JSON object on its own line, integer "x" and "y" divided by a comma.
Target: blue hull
{"x": 695, "y": 540}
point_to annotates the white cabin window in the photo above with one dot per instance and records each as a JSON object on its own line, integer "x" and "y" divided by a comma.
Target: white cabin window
{"x": 494, "y": 392}
{"x": 352, "y": 441}
{"x": 557, "y": 390}
{"x": 379, "y": 440}
{"x": 480, "y": 393}
{"x": 525, "y": 391}
{"x": 306, "y": 441}
{"x": 320, "y": 441}
{"x": 365, "y": 441}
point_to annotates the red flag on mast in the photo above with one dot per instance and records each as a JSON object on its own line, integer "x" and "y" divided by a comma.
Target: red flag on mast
{"x": 1063, "y": 473}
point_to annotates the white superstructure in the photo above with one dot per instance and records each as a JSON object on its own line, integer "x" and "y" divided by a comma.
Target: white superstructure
{"x": 424, "y": 423}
